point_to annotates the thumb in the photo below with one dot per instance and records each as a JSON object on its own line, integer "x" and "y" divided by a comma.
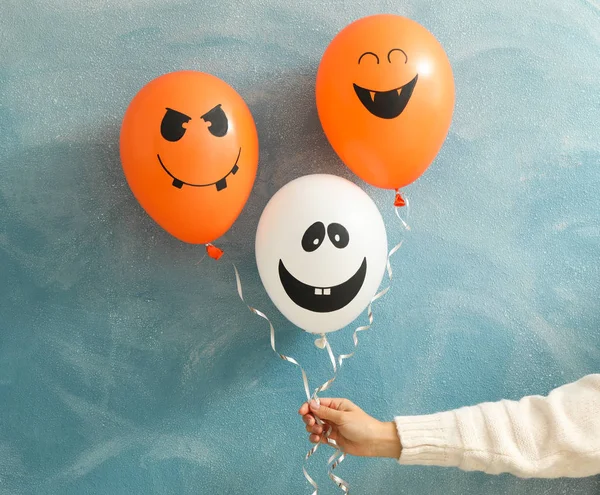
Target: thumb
{"x": 326, "y": 413}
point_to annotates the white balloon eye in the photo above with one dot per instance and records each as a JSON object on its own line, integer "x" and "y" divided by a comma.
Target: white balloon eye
{"x": 338, "y": 235}
{"x": 313, "y": 237}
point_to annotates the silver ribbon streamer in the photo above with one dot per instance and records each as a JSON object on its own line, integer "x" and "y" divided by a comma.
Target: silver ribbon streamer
{"x": 326, "y": 427}
{"x": 338, "y": 456}
{"x": 285, "y": 358}
{"x": 289, "y": 359}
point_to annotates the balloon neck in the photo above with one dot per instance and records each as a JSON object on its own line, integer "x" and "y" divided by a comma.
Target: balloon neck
{"x": 213, "y": 251}
{"x": 321, "y": 343}
{"x": 399, "y": 200}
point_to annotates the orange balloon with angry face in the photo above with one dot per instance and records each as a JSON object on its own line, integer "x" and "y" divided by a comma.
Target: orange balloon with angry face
{"x": 385, "y": 97}
{"x": 189, "y": 150}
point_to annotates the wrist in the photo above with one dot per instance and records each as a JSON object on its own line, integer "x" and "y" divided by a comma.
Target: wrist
{"x": 386, "y": 442}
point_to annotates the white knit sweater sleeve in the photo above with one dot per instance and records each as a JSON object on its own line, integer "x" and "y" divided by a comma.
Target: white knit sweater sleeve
{"x": 543, "y": 437}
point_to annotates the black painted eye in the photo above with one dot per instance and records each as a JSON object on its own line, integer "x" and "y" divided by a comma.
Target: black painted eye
{"x": 338, "y": 235}
{"x": 313, "y": 237}
{"x": 171, "y": 127}
{"x": 218, "y": 121}
{"x": 399, "y": 50}
{"x": 368, "y": 53}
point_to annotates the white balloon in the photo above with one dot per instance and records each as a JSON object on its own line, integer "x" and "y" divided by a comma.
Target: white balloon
{"x": 321, "y": 251}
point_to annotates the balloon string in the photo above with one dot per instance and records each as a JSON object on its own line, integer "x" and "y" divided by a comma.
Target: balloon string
{"x": 382, "y": 292}
{"x": 289, "y": 360}
{"x": 318, "y": 390}
{"x": 407, "y": 209}
{"x": 272, "y": 332}
{"x": 338, "y": 456}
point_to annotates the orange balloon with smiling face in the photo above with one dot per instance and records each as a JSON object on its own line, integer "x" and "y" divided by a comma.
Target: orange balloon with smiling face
{"x": 189, "y": 150}
{"x": 385, "y": 97}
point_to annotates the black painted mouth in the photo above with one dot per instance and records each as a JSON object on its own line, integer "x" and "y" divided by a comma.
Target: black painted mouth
{"x": 220, "y": 184}
{"x": 322, "y": 299}
{"x": 386, "y": 104}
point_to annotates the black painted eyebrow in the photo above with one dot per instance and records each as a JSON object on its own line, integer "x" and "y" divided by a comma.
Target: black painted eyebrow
{"x": 397, "y": 50}
{"x": 180, "y": 113}
{"x": 216, "y": 107}
{"x": 368, "y": 53}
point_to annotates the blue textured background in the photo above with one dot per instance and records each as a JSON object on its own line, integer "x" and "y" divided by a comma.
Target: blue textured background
{"x": 127, "y": 367}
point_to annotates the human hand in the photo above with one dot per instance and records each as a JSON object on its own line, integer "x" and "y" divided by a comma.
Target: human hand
{"x": 354, "y": 430}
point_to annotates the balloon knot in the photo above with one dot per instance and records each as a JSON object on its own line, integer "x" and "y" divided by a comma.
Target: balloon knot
{"x": 399, "y": 200}
{"x": 213, "y": 251}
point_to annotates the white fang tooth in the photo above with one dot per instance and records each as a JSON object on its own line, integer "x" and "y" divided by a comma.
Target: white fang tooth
{"x": 318, "y": 292}
{"x": 326, "y": 292}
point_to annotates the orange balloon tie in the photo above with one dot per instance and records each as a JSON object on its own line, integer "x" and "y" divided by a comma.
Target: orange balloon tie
{"x": 399, "y": 201}
{"x": 213, "y": 251}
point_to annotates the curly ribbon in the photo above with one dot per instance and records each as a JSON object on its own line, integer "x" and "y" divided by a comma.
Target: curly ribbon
{"x": 326, "y": 427}
{"x": 272, "y": 331}
{"x": 382, "y": 292}
{"x": 309, "y": 396}
{"x": 338, "y": 456}
{"x": 285, "y": 358}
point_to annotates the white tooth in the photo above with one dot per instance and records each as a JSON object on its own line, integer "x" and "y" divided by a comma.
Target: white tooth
{"x": 372, "y": 93}
{"x": 318, "y": 292}
{"x": 326, "y": 292}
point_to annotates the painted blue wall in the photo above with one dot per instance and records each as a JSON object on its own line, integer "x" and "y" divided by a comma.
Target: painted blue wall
{"x": 128, "y": 367}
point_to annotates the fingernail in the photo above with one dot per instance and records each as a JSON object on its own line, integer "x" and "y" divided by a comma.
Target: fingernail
{"x": 314, "y": 405}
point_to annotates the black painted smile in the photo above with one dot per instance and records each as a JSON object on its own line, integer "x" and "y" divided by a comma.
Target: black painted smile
{"x": 386, "y": 104}
{"x": 220, "y": 184}
{"x": 322, "y": 299}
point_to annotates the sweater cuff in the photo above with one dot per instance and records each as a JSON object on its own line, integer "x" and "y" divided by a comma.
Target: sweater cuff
{"x": 432, "y": 439}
